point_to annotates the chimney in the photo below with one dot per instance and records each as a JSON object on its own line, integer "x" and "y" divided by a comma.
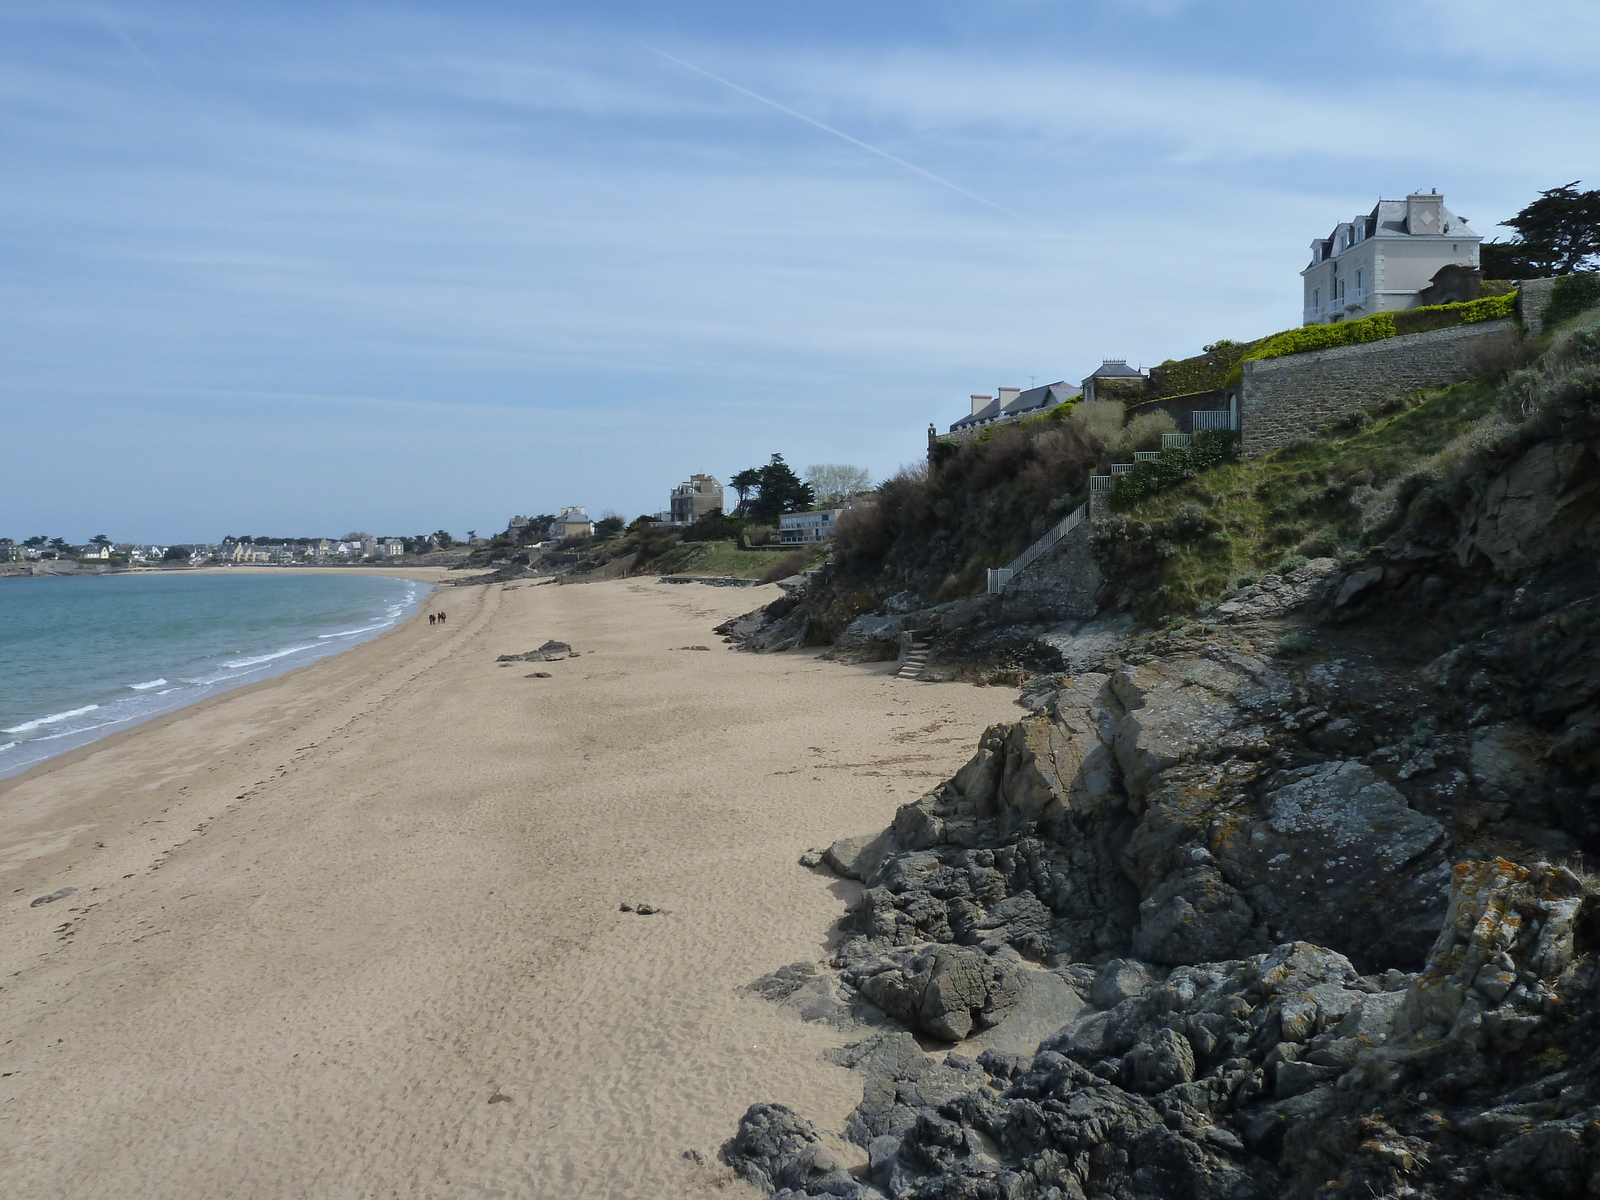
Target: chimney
{"x": 979, "y": 402}
{"x": 1424, "y": 213}
{"x": 1007, "y": 395}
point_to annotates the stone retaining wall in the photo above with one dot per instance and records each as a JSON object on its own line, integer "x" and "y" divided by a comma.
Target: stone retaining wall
{"x": 1293, "y": 396}
{"x": 1060, "y": 584}
{"x": 1532, "y": 297}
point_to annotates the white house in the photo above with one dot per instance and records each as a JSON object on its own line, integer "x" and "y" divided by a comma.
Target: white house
{"x": 1382, "y": 261}
{"x": 804, "y": 527}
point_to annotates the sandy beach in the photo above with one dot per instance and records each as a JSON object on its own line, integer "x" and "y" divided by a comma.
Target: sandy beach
{"x": 354, "y": 931}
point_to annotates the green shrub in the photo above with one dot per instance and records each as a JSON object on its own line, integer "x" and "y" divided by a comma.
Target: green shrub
{"x": 1292, "y": 563}
{"x": 714, "y": 527}
{"x": 1208, "y": 450}
{"x": 1571, "y": 295}
{"x": 1297, "y": 642}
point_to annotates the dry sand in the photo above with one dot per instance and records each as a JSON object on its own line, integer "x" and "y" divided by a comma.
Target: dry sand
{"x": 322, "y": 922}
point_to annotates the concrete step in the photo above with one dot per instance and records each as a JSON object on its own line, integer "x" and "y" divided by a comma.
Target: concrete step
{"x": 916, "y": 659}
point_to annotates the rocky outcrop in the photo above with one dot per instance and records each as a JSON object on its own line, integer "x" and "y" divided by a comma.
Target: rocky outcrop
{"x": 1284, "y": 1073}
{"x": 551, "y": 651}
{"x": 1274, "y": 595}
{"x": 1281, "y": 962}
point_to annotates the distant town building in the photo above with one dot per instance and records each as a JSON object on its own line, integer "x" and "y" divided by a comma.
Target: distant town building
{"x": 1386, "y": 261}
{"x": 695, "y": 498}
{"x": 573, "y": 522}
{"x": 1010, "y": 402}
{"x": 805, "y": 527}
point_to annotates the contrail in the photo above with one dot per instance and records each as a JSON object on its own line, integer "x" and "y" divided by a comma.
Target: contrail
{"x": 854, "y": 141}
{"x": 133, "y": 48}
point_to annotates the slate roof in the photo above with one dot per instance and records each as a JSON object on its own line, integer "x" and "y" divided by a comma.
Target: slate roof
{"x": 1046, "y": 395}
{"x": 988, "y": 412}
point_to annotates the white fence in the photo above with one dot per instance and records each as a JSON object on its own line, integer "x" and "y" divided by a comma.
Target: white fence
{"x": 1099, "y": 483}
{"x": 1175, "y": 441}
{"x": 1221, "y": 418}
{"x": 1000, "y": 576}
{"x": 1140, "y": 456}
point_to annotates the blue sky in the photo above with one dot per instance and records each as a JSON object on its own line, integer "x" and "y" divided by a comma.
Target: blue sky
{"x": 301, "y": 268}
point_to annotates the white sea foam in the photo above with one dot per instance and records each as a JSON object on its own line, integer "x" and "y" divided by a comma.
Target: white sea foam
{"x": 6, "y": 747}
{"x": 350, "y": 632}
{"x": 261, "y": 658}
{"x": 88, "y": 728}
{"x": 145, "y": 687}
{"x": 51, "y": 719}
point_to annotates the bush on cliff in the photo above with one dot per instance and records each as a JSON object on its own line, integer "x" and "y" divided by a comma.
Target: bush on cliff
{"x": 934, "y": 530}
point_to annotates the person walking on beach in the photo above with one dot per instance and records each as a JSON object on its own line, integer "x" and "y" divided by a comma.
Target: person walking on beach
{"x": 432, "y": 618}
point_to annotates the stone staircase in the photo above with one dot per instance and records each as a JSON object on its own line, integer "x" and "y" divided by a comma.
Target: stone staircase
{"x": 916, "y": 659}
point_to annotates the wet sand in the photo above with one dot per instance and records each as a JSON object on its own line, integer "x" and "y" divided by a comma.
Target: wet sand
{"x": 323, "y": 924}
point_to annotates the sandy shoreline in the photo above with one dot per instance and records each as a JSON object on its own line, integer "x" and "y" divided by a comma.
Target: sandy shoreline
{"x": 322, "y": 919}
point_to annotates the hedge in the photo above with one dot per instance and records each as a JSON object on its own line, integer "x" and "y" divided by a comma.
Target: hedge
{"x": 1571, "y": 295}
{"x": 1210, "y": 448}
{"x": 1377, "y": 327}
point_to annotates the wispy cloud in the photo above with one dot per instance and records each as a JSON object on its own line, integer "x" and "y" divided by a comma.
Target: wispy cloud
{"x": 425, "y": 226}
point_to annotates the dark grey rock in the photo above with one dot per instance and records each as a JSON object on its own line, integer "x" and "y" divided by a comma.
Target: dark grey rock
{"x": 778, "y": 1149}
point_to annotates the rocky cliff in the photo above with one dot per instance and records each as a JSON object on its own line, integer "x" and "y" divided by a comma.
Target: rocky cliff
{"x": 1288, "y": 900}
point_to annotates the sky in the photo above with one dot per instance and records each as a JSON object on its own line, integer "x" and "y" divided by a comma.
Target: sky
{"x": 294, "y": 269}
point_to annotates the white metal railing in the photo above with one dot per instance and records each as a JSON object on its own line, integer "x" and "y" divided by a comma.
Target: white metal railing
{"x": 1174, "y": 441}
{"x": 1140, "y": 456}
{"x": 1099, "y": 483}
{"x": 1120, "y": 469}
{"x": 1000, "y": 576}
{"x": 1221, "y": 418}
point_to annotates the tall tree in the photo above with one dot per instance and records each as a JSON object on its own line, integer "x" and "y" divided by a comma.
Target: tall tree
{"x": 834, "y": 483}
{"x": 100, "y": 539}
{"x": 1557, "y": 234}
{"x": 780, "y": 491}
{"x": 745, "y": 482}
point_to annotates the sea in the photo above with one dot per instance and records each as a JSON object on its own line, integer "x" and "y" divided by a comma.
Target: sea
{"x": 82, "y": 657}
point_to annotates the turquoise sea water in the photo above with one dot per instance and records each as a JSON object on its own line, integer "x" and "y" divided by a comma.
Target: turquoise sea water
{"x": 82, "y": 657}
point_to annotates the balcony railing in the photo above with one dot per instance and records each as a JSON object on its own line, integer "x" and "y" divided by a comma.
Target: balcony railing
{"x": 1175, "y": 441}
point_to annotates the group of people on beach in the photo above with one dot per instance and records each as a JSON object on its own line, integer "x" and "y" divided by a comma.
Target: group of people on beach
{"x": 436, "y": 618}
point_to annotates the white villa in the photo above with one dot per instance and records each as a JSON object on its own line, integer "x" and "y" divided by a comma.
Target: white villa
{"x": 1383, "y": 261}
